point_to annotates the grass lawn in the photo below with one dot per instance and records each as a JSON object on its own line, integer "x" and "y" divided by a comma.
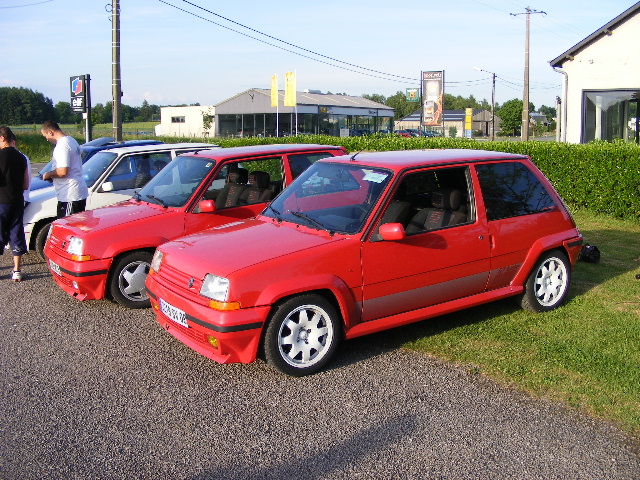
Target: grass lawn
{"x": 585, "y": 354}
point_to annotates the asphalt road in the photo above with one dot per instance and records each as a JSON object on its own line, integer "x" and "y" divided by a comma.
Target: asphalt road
{"x": 93, "y": 391}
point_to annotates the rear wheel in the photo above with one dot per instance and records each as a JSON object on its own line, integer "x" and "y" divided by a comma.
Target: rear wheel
{"x": 127, "y": 280}
{"x": 302, "y": 335}
{"x": 548, "y": 283}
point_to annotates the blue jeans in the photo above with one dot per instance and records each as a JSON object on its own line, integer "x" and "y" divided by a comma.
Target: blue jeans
{"x": 11, "y": 229}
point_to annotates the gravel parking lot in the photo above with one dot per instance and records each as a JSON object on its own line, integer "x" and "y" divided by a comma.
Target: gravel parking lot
{"x": 94, "y": 391}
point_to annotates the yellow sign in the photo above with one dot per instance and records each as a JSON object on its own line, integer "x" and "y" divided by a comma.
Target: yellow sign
{"x": 274, "y": 90}
{"x": 290, "y": 89}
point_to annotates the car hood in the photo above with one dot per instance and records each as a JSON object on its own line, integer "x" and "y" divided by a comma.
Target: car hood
{"x": 107, "y": 217}
{"x": 225, "y": 249}
{"x": 37, "y": 183}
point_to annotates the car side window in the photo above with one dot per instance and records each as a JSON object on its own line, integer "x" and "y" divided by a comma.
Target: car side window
{"x": 300, "y": 162}
{"x": 510, "y": 189}
{"x": 430, "y": 200}
{"x": 134, "y": 171}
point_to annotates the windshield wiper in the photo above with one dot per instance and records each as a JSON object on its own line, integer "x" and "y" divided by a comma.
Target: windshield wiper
{"x": 159, "y": 200}
{"x": 311, "y": 220}
{"x": 276, "y": 212}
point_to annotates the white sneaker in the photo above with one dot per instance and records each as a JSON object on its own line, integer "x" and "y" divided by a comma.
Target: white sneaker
{"x": 17, "y": 276}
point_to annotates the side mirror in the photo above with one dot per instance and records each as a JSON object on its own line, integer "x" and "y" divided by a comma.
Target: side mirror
{"x": 392, "y": 231}
{"x": 207, "y": 206}
{"x": 107, "y": 187}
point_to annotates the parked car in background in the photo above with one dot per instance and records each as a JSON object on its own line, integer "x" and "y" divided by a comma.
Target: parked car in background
{"x": 363, "y": 243}
{"x": 432, "y": 133}
{"x": 108, "y": 251}
{"x": 88, "y": 149}
{"x": 112, "y": 175}
{"x": 402, "y": 133}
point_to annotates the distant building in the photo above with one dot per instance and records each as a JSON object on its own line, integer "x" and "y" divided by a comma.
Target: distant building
{"x": 601, "y": 85}
{"x": 250, "y": 113}
{"x": 481, "y": 122}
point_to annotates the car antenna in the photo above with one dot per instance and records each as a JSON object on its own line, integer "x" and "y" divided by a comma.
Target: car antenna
{"x": 353, "y": 157}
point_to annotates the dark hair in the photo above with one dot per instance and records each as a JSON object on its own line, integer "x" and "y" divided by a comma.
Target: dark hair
{"x": 8, "y": 135}
{"x": 51, "y": 125}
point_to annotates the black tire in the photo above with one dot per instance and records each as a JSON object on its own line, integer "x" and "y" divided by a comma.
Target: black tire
{"x": 41, "y": 239}
{"x": 299, "y": 351}
{"x": 127, "y": 277}
{"x": 548, "y": 283}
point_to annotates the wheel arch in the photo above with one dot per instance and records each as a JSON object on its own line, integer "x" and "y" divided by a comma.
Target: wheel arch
{"x": 115, "y": 260}
{"x": 541, "y": 247}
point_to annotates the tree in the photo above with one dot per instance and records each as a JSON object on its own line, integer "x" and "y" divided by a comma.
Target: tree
{"x": 22, "y": 105}
{"x": 375, "y": 97}
{"x": 64, "y": 114}
{"x": 548, "y": 111}
{"x": 511, "y": 116}
{"x": 399, "y": 103}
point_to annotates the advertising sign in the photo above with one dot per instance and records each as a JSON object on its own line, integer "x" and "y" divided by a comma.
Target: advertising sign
{"x": 79, "y": 93}
{"x": 433, "y": 97}
{"x": 413, "y": 95}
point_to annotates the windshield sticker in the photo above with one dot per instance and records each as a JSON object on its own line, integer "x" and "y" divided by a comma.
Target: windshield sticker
{"x": 376, "y": 177}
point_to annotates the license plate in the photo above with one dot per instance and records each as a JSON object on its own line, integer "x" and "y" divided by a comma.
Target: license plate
{"x": 55, "y": 268}
{"x": 174, "y": 313}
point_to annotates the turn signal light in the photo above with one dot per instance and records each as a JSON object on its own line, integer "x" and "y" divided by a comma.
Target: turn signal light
{"x": 224, "y": 306}
{"x": 80, "y": 258}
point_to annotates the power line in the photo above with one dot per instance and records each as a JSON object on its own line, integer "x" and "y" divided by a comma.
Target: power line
{"x": 399, "y": 78}
{"x": 28, "y": 4}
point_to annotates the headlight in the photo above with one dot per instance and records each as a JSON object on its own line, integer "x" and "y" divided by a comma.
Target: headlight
{"x": 76, "y": 246}
{"x": 215, "y": 288}
{"x": 76, "y": 249}
{"x": 156, "y": 260}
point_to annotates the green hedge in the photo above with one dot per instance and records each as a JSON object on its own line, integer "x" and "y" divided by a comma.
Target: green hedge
{"x": 602, "y": 177}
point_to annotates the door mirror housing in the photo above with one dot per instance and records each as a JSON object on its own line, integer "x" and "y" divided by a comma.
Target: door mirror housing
{"x": 392, "y": 231}
{"x": 207, "y": 206}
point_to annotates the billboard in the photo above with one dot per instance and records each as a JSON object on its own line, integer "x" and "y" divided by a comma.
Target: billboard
{"x": 432, "y": 98}
{"x": 79, "y": 93}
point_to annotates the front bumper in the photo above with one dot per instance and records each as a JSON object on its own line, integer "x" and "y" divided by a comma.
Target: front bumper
{"x": 237, "y": 333}
{"x": 82, "y": 280}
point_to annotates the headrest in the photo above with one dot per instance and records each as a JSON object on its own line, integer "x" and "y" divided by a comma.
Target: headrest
{"x": 446, "y": 198}
{"x": 241, "y": 175}
{"x": 259, "y": 179}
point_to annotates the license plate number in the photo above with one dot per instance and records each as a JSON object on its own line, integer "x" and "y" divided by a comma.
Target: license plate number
{"x": 55, "y": 268}
{"x": 174, "y": 313}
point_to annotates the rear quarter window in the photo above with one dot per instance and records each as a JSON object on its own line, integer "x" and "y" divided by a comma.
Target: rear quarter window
{"x": 511, "y": 189}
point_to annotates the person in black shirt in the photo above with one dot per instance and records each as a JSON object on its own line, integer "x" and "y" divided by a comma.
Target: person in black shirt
{"x": 13, "y": 182}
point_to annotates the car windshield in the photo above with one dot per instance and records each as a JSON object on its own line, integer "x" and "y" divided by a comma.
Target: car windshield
{"x": 176, "y": 182}
{"x": 96, "y": 166}
{"x": 331, "y": 196}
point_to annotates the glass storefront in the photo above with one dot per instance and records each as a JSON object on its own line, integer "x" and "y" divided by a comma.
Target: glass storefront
{"x": 264, "y": 124}
{"x": 611, "y": 115}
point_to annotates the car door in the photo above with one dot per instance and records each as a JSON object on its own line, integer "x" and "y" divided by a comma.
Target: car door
{"x": 239, "y": 206}
{"x": 435, "y": 262}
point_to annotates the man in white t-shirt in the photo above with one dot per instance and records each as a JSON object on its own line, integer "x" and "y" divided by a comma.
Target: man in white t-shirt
{"x": 66, "y": 174}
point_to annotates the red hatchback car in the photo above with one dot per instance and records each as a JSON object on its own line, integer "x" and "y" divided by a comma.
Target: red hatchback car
{"x": 363, "y": 243}
{"x": 107, "y": 251}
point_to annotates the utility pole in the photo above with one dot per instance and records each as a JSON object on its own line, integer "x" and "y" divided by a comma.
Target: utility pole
{"x": 492, "y": 133}
{"x": 525, "y": 96}
{"x": 116, "y": 81}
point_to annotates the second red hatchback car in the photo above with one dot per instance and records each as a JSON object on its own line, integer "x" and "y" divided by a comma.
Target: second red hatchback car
{"x": 107, "y": 251}
{"x": 363, "y": 243}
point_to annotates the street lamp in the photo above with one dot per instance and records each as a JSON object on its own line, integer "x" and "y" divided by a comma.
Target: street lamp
{"x": 493, "y": 101}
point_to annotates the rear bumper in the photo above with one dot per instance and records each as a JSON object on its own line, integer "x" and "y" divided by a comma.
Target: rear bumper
{"x": 237, "y": 333}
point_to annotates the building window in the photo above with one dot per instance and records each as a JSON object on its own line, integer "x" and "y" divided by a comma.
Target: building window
{"x": 177, "y": 119}
{"x": 610, "y": 115}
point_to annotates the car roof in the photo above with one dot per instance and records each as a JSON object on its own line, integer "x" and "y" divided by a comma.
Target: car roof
{"x": 101, "y": 144}
{"x": 161, "y": 147}
{"x": 233, "y": 152}
{"x": 399, "y": 160}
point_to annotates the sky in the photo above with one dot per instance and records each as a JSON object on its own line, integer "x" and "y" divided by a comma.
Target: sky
{"x": 177, "y": 52}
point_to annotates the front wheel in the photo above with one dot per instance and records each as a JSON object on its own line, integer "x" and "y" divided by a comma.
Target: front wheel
{"x": 127, "y": 280}
{"x": 302, "y": 334}
{"x": 548, "y": 283}
{"x": 41, "y": 239}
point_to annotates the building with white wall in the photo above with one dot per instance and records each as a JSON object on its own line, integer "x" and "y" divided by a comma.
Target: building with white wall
{"x": 601, "y": 84}
{"x": 186, "y": 121}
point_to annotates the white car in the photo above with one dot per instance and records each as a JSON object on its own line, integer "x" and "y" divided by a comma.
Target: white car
{"x": 112, "y": 176}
